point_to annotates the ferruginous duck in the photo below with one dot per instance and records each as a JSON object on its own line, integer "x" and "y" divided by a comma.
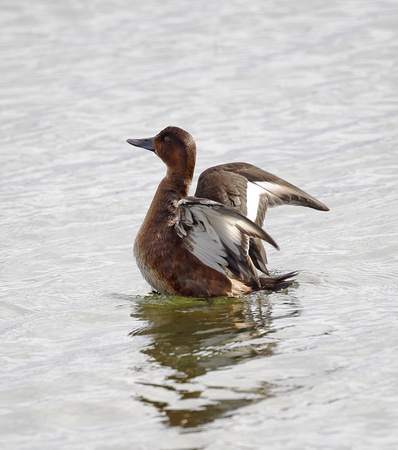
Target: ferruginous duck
{"x": 210, "y": 244}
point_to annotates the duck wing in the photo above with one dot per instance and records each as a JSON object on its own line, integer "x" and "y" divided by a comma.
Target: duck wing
{"x": 248, "y": 188}
{"x": 219, "y": 237}
{"x": 251, "y": 191}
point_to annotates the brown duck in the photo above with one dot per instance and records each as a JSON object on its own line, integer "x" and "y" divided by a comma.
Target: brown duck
{"x": 209, "y": 245}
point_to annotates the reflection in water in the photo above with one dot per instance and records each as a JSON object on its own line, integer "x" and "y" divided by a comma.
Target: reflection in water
{"x": 194, "y": 337}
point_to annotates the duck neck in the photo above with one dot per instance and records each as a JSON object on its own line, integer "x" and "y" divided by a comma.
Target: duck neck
{"x": 164, "y": 204}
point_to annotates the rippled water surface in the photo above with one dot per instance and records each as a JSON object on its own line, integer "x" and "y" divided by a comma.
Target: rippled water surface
{"x": 89, "y": 358}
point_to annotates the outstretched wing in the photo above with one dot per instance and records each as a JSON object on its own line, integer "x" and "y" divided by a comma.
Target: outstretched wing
{"x": 219, "y": 236}
{"x": 251, "y": 190}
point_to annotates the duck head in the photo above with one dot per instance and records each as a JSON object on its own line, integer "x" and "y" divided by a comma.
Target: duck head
{"x": 175, "y": 147}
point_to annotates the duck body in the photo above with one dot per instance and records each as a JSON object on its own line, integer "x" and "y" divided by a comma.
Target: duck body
{"x": 167, "y": 265}
{"x": 210, "y": 244}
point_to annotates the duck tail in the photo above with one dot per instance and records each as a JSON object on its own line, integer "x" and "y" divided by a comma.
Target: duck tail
{"x": 277, "y": 283}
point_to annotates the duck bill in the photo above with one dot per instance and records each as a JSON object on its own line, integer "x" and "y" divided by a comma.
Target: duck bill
{"x": 147, "y": 143}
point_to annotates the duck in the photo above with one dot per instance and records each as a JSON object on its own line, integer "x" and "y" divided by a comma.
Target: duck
{"x": 210, "y": 244}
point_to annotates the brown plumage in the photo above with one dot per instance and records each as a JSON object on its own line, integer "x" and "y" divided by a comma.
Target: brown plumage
{"x": 205, "y": 246}
{"x": 231, "y": 181}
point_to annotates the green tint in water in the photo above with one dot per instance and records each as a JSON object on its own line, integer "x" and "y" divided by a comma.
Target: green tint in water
{"x": 194, "y": 337}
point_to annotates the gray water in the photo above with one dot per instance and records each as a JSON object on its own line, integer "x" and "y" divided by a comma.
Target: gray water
{"x": 90, "y": 359}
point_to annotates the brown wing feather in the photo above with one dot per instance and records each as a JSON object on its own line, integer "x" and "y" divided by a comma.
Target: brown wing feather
{"x": 227, "y": 184}
{"x": 226, "y": 176}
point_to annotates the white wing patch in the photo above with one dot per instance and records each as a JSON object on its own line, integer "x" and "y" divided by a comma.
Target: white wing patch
{"x": 276, "y": 194}
{"x": 216, "y": 234}
{"x": 203, "y": 241}
{"x": 253, "y": 195}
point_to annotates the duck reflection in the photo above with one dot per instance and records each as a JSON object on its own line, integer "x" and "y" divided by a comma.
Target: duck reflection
{"x": 195, "y": 337}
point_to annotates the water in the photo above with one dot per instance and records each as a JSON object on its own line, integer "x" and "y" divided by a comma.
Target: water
{"x": 308, "y": 91}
